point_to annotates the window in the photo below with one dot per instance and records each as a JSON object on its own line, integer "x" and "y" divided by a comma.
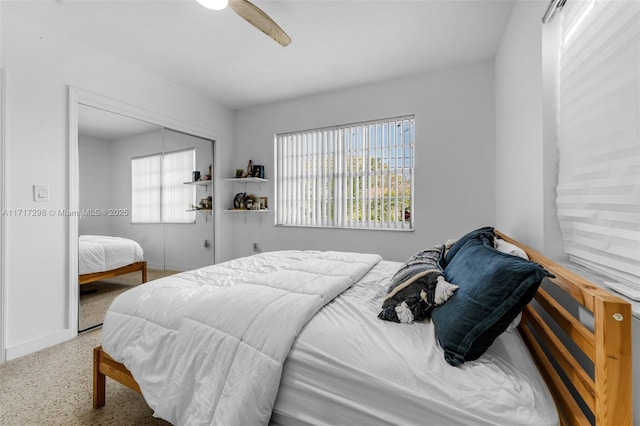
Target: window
{"x": 158, "y": 192}
{"x": 598, "y": 195}
{"x": 356, "y": 175}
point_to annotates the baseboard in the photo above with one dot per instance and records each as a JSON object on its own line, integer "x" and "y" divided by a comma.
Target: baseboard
{"x": 155, "y": 265}
{"x": 38, "y": 344}
{"x": 179, "y": 268}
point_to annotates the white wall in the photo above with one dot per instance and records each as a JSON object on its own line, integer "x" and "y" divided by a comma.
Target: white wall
{"x": 526, "y": 159}
{"x": 455, "y": 158}
{"x": 40, "y": 66}
{"x": 95, "y": 183}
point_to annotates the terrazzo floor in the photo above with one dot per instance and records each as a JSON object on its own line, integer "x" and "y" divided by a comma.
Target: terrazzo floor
{"x": 54, "y": 387}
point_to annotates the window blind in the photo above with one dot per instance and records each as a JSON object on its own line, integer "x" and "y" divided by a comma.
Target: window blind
{"x": 598, "y": 193}
{"x": 146, "y": 181}
{"x": 177, "y": 197}
{"x": 158, "y": 192}
{"x": 358, "y": 175}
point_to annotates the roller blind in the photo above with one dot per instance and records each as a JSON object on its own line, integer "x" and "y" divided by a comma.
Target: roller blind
{"x": 357, "y": 175}
{"x": 598, "y": 193}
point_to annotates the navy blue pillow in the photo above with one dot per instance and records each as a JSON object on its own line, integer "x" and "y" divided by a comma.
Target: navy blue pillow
{"x": 487, "y": 232}
{"x": 493, "y": 289}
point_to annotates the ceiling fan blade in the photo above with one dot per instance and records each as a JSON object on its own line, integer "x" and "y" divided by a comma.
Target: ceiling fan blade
{"x": 256, "y": 17}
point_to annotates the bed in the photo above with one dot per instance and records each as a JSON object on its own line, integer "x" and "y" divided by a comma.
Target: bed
{"x": 343, "y": 365}
{"x": 101, "y": 257}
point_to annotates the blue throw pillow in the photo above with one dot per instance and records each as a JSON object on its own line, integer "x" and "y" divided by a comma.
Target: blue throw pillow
{"x": 493, "y": 287}
{"x": 487, "y": 232}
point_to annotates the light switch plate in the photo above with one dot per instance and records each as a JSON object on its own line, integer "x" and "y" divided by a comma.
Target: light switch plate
{"x": 40, "y": 193}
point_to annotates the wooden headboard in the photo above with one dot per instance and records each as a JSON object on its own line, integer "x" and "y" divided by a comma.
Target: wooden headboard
{"x": 604, "y": 395}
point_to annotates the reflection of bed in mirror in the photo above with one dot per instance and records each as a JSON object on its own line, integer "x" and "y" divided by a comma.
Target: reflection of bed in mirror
{"x": 101, "y": 257}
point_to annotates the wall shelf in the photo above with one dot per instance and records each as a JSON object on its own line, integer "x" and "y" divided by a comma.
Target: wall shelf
{"x": 206, "y": 184}
{"x": 247, "y": 211}
{"x": 199, "y": 182}
{"x": 247, "y": 180}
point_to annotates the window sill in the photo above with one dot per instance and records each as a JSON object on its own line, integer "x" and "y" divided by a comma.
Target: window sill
{"x": 600, "y": 280}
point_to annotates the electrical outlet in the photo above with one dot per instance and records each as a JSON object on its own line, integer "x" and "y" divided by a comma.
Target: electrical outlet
{"x": 256, "y": 248}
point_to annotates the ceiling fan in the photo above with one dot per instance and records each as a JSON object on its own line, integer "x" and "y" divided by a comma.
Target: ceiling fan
{"x": 252, "y": 14}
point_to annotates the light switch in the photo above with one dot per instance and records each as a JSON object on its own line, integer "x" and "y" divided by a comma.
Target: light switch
{"x": 40, "y": 193}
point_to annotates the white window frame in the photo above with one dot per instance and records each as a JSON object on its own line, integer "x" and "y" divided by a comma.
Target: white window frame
{"x": 319, "y": 179}
{"x": 163, "y": 197}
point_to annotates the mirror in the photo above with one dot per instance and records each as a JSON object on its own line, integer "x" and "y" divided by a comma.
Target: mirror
{"x": 140, "y": 213}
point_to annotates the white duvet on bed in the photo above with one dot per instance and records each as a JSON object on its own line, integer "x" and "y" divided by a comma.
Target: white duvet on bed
{"x": 208, "y": 346}
{"x": 99, "y": 253}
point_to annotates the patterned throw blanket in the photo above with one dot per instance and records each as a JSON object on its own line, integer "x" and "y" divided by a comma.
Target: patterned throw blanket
{"x": 417, "y": 287}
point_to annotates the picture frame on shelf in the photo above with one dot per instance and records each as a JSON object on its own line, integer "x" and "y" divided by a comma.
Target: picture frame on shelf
{"x": 258, "y": 171}
{"x": 264, "y": 203}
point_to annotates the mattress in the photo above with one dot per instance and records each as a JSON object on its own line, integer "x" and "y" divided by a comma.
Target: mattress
{"x": 348, "y": 367}
{"x": 99, "y": 253}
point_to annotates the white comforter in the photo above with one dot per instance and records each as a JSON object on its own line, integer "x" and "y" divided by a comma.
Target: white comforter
{"x": 208, "y": 346}
{"x": 99, "y": 253}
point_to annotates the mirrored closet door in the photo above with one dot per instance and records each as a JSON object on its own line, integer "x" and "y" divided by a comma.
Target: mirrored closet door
{"x": 145, "y": 203}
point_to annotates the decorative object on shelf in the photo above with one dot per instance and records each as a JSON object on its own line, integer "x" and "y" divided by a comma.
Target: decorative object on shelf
{"x": 206, "y": 203}
{"x": 258, "y": 171}
{"x": 238, "y": 200}
{"x": 239, "y": 173}
{"x": 264, "y": 203}
{"x": 195, "y": 176}
{"x": 251, "y": 202}
{"x": 250, "y": 168}
{"x": 209, "y": 175}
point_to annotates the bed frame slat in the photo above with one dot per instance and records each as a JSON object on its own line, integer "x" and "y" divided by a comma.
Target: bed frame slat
{"x": 568, "y": 409}
{"x": 580, "y": 334}
{"x": 573, "y": 370}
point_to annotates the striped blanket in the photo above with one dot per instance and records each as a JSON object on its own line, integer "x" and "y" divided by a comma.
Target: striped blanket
{"x": 417, "y": 287}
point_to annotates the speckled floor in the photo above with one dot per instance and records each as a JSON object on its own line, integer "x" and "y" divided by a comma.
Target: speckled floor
{"x": 54, "y": 387}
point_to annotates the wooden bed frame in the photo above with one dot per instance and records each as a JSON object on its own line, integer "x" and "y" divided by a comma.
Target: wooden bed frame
{"x": 97, "y": 276}
{"x": 604, "y": 396}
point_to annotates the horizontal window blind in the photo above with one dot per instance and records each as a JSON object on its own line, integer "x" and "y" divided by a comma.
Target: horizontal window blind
{"x": 358, "y": 175}
{"x": 598, "y": 193}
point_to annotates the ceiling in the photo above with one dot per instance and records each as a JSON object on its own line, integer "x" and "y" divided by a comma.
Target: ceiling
{"x": 108, "y": 126}
{"x": 336, "y": 44}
